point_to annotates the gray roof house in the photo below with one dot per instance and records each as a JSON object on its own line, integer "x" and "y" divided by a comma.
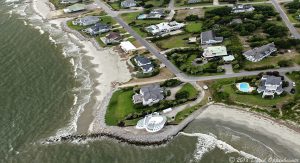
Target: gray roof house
{"x": 154, "y": 14}
{"x": 194, "y": 1}
{"x": 141, "y": 61}
{"x": 144, "y": 63}
{"x": 98, "y": 29}
{"x": 149, "y": 95}
{"x": 112, "y": 37}
{"x": 257, "y": 54}
{"x": 242, "y": 8}
{"x": 209, "y": 37}
{"x": 75, "y": 8}
{"x": 87, "y": 20}
{"x": 147, "y": 68}
{"x": 128, "y": 3}
{"x": 269, "y": 85}
{"x": 69, "y": 1}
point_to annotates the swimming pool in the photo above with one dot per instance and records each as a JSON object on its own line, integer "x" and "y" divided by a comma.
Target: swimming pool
{"x": 244, "y": 87}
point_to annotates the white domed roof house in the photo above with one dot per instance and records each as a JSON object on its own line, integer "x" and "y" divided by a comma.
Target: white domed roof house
{"x": 152, "y": 122}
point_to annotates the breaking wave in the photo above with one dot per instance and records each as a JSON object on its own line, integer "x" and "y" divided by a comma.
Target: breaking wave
{"x": 72, "y": 50}
{"x": 209, "y": 142}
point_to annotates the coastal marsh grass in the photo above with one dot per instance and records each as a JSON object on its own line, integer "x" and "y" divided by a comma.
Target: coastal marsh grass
{"x": 120, "y": 105}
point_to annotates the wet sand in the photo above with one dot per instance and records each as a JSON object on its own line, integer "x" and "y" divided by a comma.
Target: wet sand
{"x": 265, "y": 126}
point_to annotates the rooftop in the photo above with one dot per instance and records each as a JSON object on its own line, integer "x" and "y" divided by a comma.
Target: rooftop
{"x": 215, "y": 51}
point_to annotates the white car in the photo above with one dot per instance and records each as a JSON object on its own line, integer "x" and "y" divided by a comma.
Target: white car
{"x": 294, "y": 84}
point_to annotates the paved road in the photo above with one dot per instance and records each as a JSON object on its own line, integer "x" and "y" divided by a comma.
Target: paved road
{"x": 167, "y": 63}
{"x": 244, "y": 73}
{"x": 140, "y": 39}
{"x": 286, "y": 20}
{"x": 171, "y": 5}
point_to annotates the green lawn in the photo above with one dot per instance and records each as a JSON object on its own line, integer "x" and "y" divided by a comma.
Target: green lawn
{"x": 75, "y": 27}
{"x": 193, "y": 27}
{"x": 175, "y": 42}
{"x": 139, "y": 24}
{"x": 156, "y": 3}
{"x": 295, "y": 76}
{"x": 188, "y": 87}
{"x": 268, "y": 61}
{"x": 297, "y": 59}
{"x": 180, "y": 3}
{"x": 115, "y": 5}
{"x": 108, "y": 20}
{"x": 253, "y": 100}
{"x": 57, "y": 4}
{"x": 119, "y": 106}
{"x": 130, "y": 17}
{"x": 226, "y": 86}
{"x": 185, "y": 113}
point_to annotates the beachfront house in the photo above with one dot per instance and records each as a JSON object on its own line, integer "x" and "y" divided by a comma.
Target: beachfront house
{"x": 270, "y": 85}
{"x": 69, "y": 1}
{"x": 98, "y": 29}
{"x": 242, "y": 8}
{"x": 193, "y": 1}
{"x": 149, "y": 95}
{"x": 154, "y": 14}
{"x": 257, "y": 54}
{"x": 86, "y": 21}
{"x": 164, "y": 27}
{"x": 112, "y": 38}
{"x": 152, "y": 123}
{"x": 144, "y": 63}
{"x": 127, "y": 47}
{"x": 128, "y": 3}
{"x": 75, "y": 8}
{"x": 214, "y": 52}
{"x": 209, "y": 37}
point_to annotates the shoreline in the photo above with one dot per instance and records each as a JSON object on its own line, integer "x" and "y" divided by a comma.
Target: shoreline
{"x": 99, "y": 129}
{"x": 253, "y": 122}
{"x": 104, "y": 65}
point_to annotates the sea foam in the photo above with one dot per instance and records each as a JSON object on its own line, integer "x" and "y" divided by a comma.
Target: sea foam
{"x": 209, "y": 142}
{"x": 72, "y": 51}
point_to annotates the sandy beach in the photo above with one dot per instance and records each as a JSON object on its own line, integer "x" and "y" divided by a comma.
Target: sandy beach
{"x": 283, "y": 135}
{"x": 109, "y": 68}
{"x": 104, "y": 65}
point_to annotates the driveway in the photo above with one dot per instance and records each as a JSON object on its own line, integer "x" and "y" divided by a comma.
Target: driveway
{"x": 187, "y": 105}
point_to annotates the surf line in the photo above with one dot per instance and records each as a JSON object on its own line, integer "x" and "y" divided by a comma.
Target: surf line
{"x": 209, "y": 142}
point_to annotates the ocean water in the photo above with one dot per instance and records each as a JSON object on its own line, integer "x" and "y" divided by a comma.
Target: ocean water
{"x": 44, "y": 85}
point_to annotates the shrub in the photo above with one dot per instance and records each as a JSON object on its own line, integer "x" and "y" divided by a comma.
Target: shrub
{"x": 192, "y": 18}
{"x": 285, "y": 63}
{"x": 171, "y": 83}
{"x": 148, "y": 6}
{"x": 182, "y": 95}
